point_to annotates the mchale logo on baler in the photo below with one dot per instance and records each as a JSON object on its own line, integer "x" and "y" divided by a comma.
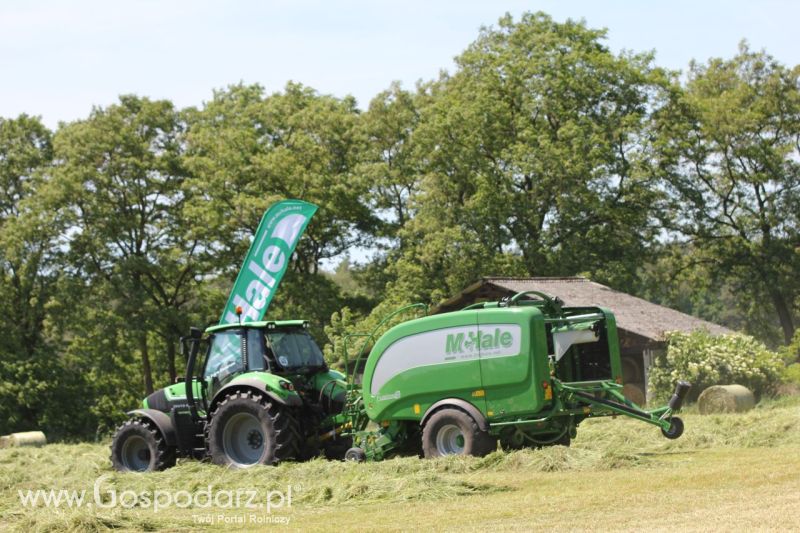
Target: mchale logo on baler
{"x": 478, "y": 340}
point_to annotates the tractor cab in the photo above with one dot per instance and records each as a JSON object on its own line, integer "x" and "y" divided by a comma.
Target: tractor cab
{"x": 253, "y": 393}
{"x": 282, "y": 348}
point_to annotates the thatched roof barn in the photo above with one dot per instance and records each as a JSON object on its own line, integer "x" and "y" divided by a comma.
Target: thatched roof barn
{"x": 641, "y": 324}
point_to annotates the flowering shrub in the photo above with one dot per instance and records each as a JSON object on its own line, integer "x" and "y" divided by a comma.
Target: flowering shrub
{"x": 705, "y": 360}
{"x": 791, "y": 356}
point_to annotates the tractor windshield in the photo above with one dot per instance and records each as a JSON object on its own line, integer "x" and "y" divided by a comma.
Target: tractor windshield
{"x": 295, "y": 348}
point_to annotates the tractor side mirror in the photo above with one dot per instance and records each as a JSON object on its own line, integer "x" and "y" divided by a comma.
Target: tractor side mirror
{"x": 195, "y": 333}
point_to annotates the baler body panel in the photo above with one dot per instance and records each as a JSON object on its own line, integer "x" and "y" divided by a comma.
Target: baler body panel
{"x": 495, "y": 359}
{"x": 512, "y": 385}
{"x": 411, "y": 365}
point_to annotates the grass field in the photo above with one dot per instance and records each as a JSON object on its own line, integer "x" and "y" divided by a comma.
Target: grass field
{"x": 727, "y": 472}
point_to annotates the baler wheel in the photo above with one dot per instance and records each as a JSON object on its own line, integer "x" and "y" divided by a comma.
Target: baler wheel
{"x": 675, "y": 428}
{"x": 355, "y": 455}
{"x": 454, "y": 432}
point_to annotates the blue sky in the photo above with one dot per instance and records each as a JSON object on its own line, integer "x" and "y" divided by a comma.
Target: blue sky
{"x": 58, "y": 59}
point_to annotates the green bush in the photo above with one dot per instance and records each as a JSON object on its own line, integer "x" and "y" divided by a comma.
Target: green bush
{"x": 792, "y": 374}
{"x": 705, "y": 360}
{"x": 791, "y": 352}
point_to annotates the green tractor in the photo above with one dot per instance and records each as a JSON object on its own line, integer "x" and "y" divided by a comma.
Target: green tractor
{"x": 260, "y": 391}
{"x": 254, "y": 393}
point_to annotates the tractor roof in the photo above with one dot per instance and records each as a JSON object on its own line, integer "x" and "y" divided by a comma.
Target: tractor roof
{"x": 264, "y": 324}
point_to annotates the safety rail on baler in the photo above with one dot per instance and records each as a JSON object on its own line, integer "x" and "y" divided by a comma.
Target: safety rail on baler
{"x": 370, "y": 336}
{"x": 354, "y": 405}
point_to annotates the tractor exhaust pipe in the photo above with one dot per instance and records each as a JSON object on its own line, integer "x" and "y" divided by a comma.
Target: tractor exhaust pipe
{"x": 195, "y": 334}
{"x": 681, "y": 390}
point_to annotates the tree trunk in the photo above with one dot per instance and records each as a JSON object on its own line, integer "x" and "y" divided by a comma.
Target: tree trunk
{"x": 147, "y": 371}
{"x": 171, "y": 361}
{"x": 784, "y": 315}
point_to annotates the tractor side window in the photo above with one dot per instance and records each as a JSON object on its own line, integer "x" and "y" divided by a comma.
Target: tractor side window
{"x": 255, "y": 350}
{"x": 224, "y": 356}
{"x": 295, "y": 349}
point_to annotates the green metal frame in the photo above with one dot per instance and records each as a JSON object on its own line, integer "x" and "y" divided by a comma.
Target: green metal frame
{"x": 569, "y": 403}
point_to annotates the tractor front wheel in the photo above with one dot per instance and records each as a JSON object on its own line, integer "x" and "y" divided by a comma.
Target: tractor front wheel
{"x": 138, "y": 446}
{"x": 247, "y": 429}
{"x": 454, "y": 432}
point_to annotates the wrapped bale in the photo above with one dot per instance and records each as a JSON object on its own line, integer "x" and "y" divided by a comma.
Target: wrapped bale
{"x": 725, "y": 399}
{"x": 26, "y": 438}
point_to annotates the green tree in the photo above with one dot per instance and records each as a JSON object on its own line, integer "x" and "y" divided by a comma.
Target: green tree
{"x": 120, "y": 181}
{"x": 26, "y": 242}
{"x": 246, "y": 151}
{"x": 730, "y": 147}
{"x": 390, "y": 161}
{"x": 34, "y": 381}
{"x": 536, "y": 160}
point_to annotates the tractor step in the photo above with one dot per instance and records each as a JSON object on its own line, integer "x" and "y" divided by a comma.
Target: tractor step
{"x": 190, "y": 434}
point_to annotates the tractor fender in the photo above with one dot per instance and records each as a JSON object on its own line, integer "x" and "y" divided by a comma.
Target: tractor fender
{"x": 161, "y": 421}
{"x": 292, "y": 400}
{"x": 464, "y": 405}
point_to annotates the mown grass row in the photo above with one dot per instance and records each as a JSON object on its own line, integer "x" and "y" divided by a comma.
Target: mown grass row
{"x": 601, "y": 445}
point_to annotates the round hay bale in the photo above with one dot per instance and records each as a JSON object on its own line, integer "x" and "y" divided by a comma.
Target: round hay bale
{"x": 26, "y": 438}
{"x": 725, "y": 399}
{"x": 635, "y": 393}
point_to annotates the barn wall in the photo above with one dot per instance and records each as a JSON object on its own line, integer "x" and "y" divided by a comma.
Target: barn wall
{"x": 637, "y": 354}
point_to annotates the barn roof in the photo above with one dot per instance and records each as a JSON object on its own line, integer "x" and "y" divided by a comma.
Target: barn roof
{"x": 633, "y": 314}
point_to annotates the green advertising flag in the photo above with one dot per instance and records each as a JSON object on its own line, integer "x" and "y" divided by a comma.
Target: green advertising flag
{"x": 267, "y": 260}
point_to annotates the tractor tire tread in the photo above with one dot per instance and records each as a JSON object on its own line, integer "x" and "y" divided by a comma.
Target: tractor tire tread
{"x": 165, "y": 455}
{"x": 283, "y": 426}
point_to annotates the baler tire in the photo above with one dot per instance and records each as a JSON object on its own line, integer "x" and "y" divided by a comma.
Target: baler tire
{"x": 268, "y": 425}
{"x": 564, "y": 440}
{"x": 335, "y": 450}
{"x": 355, "y": 455}
{"x": 675, "y": 428}
{"x": 138, "y": 446}
{"x": 452, "y": 424}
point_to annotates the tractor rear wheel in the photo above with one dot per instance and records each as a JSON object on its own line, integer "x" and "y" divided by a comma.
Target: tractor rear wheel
{"x": 247, "y": 429}
{"x": 454, "y": 432}
{"x": 138, "y": 446}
